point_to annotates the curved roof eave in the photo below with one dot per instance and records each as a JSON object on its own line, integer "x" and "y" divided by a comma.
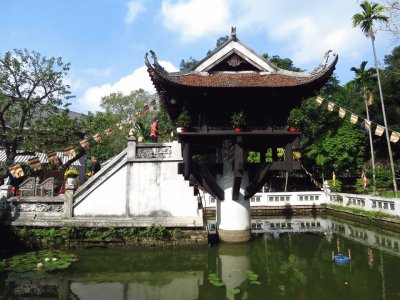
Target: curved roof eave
{"x": 281, "y": 78}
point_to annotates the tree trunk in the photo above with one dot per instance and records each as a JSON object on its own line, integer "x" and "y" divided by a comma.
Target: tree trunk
{"x": 370, "y": 143}
{"x": 384, "y": 119}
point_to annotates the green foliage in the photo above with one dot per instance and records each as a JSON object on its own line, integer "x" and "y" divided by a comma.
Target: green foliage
{"x": 367, "y": 213}
{"x": 38, "y": 262}
{"x": 187, "y": 64}
{"x": 253, "y": 278}
{"x": 239, "y": 119}
{"x": 341, "y": 150}
{"x": 360, "y": 187}
{"x": 215, "y": 280}
{"x": 337, "y": 187}
{"x": 383, "y": 180}
{"x": 383, "y": 177}
{"x": 120, "y": 106}
{"x": 234, "y": 291}
{"x": 371, "y": 13}
{"x": 283, "y": 63}
{"x": 176, "y": 234}
{"x": 253, "y": 157}
{"x": 59, "y": 237}
{"x": 157, "y": 232}
{"x": 31, "y": 89}
{"x": 184, "y": 119}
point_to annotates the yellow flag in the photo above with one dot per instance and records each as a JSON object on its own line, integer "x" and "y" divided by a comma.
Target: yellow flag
{"x": 342, "y": 112}
{"x": 379, "y": 130}
{"x": 394, "y": 137}
{"x": 353, "y": 118}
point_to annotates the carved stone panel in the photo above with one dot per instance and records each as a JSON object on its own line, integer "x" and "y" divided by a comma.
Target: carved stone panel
{"x": 156, "y": 152}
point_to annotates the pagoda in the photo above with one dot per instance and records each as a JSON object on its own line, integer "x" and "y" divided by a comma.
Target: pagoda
{"x": 234, "y": 78}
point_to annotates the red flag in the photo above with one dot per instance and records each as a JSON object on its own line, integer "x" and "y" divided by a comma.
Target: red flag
{"x": 364, "y": 179}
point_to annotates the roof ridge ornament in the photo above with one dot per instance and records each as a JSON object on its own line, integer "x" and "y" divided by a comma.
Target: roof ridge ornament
{"x": 323, "y": 63}
{"x": 154, "y": 56}
{"x": 233, "y": 33}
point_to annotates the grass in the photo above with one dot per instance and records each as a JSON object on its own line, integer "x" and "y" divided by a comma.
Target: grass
{"x": 369, "y": 214}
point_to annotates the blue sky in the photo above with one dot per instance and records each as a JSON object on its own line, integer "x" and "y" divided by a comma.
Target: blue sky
{"x": 105, "y": 40}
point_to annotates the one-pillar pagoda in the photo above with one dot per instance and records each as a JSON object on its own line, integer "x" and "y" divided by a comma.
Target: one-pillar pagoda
{"x": 234, "y": 78}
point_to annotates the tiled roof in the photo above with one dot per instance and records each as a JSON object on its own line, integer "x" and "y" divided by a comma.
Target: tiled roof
{"x": 23, "y": 159}
{"x": 253, "y": 79}
{"x": 241, "y": 80}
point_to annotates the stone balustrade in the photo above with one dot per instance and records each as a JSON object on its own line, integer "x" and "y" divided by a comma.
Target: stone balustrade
{"x": 317, "y": 198}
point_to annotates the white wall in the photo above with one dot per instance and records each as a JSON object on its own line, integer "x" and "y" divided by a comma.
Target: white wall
{"x": 107, "y": 199}
{"x": 157, "y": 188}
{"x": 141, "y": 181}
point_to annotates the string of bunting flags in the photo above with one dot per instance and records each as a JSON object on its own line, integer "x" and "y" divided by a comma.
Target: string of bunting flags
{"x": 34, "y": 163}
{"x": 379, "y": 129}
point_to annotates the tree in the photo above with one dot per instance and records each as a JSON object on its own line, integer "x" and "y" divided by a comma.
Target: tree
{"x": 393, "y": 9}
{"x": 362, "y": 78}
{"x": 371, "y": 13}
{"x": 283, "y": 63}
{"x": 187, "y": 64}
{"x": 326, "y": 136}
{"x": 31, "y": 85}
{"x": 122, "y": 106}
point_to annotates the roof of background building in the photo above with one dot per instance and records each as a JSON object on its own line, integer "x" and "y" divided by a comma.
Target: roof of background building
{"x": 23, "y": 159}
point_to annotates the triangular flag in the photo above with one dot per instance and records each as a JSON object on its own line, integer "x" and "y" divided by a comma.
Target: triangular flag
{"x": 84, "y": 143}
{"x": 129, "y": 120}
{"x": 97, "y": 137}
{"x": 394, "y": 137}
{"x": 331, "y": 106}
{"x": 53, "y": 159}
{"x": 69, "y": 151}
{"x": 16, "y": 171}
{"x": 319, "y": 100}
{"x": 353, "y": 118}
{"x": 342, "y": 112}
{"x": 121, "y": 126}
{"x": 35, "y": 164}
{"x": 367, "y": 125}
{"x": 108, "y": 132}
{"x": 379, "y": 130}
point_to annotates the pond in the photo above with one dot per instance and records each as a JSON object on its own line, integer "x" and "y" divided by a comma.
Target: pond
{"x": 289, "y": 259}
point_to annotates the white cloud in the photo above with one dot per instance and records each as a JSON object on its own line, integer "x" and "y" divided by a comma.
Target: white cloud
{"x": 306, "y": 29}
{"x": 135, "y": 7}
{"x": 100, "y": 72}
{"x": 196, "y": 18}
{"x": 138, "y": 79}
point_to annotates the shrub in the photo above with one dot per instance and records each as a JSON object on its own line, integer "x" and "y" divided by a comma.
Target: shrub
{"x": 337, "y": 187}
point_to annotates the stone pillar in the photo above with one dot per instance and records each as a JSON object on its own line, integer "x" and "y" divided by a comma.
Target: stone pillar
{"x": 234, "y": 262}
{"x": 5, "y": 193}
{"x": 131, "y": 151}
{"x": 233, "y": 216}
{"x": 69, "y": 201}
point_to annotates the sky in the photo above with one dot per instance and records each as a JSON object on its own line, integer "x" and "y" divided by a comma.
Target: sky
{"x": 105, "y": 40}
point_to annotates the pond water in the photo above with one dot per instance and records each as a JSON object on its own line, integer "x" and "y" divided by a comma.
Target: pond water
{"x": 289, "y": 259}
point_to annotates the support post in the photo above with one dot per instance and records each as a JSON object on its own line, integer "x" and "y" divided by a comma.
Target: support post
{"x": 69, "y": 201}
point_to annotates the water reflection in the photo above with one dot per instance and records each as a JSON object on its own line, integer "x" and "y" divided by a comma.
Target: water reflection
{"x": 291, "y": 256}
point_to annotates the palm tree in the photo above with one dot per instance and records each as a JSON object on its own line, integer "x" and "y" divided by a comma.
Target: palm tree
{"x": 371, "y": 13}
{"x": 361, "y": 79}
